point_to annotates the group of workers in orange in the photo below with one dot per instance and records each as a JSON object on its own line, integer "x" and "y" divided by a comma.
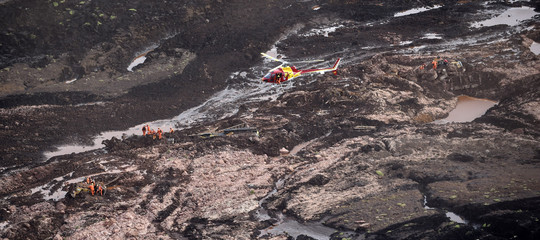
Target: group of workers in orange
{"x": 440, "y": 61}
{"x": 94, "y": 188}
{"x": 146, "y": 130}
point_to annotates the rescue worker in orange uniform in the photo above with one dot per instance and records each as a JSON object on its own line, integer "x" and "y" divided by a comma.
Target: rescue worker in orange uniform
{"x": 91, "y": 186}
{"x": 434, "y": 64}
{"x": 159, "y": 132}
{"x": 171, "y": 130}
{"x": 100, "y": 190}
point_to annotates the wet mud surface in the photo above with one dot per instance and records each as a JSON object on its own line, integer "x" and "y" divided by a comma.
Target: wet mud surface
{"x": 349, "y": 156}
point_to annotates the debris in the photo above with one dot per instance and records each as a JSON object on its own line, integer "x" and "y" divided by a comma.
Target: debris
{"x": 90, "y": 185}
{"x": 364, "y": 225}
{"x": 240, "y": 128}
{"x": 364, "y": 127}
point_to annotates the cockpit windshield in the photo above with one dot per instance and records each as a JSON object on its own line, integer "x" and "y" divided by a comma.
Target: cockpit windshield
{"x": 274, "y": 76}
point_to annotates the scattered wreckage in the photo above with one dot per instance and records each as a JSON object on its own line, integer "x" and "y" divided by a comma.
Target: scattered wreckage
{"x": 91, "y": 186}
{"x": 240, "y": 128}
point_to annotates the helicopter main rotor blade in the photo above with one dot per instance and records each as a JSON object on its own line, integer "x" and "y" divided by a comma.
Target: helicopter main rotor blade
{"x": 308, "y": 61}
{"x": 273, "y": 58}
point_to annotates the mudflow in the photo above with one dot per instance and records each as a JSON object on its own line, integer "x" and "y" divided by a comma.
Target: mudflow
{"x": 358, "y": 155}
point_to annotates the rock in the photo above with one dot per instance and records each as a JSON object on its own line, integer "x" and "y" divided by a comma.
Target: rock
{"x": 460, "y": 157}
{"x": 60, "y": 207}
{"x": 318, "y": 180}
{"x": 364, "y": 225}
{"x": 58, "y": 237}
{"x": 390, "y": 145}
{"x": 283, "y": 151}
{"x": 304, "y": 237}
{"x": 518, "y": 131}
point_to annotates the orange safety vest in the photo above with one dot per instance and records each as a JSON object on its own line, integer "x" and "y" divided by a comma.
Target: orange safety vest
{"x": 91, "y": 189}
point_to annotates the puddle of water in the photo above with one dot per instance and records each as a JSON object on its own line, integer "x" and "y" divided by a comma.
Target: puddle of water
{"x": 45, "y": 190}
{"x": 323, "y": 31}
{"x": 136, "y": 62}
{"x": 294, "y": 228}
{"x": 71, "y": 81}
{"x": 425, "y": 204}
{"x": 511, "y": 17}
{"x": 455, "y": 218}
{"x": 432, "y": 36}
{"x": 141, "y": 57}
{"x": 467, "y": 109}
{"x": 416, "y": 11}
{"x": 403, "y": 43}
{"x": 450, "y": 215}
{"x": 97, "y": 142}
{"x": 535, "y": 48}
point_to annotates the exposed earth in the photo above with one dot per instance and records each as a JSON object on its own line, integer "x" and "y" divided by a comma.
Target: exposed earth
{"x": 357, "y": 155}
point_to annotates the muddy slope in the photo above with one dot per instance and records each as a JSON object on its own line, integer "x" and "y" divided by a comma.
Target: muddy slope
{"x": 364, "y": 159}
{"x": 78, "y": 52}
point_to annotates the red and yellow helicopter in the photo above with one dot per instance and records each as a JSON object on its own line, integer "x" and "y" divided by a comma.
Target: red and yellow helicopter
{"x": 283, "y": 73}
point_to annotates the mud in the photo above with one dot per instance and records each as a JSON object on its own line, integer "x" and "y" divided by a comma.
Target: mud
{"x": 365, "y": 156}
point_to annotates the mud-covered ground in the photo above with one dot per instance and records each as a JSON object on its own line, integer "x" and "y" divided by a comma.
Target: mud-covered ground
{"x": 349, "y": 156}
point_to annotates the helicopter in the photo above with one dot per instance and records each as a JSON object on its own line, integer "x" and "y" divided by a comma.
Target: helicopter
{"x": 284, "y": 73}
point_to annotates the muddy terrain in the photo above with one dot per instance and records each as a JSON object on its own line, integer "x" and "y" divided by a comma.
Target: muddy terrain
{"x": 367, "y": 153}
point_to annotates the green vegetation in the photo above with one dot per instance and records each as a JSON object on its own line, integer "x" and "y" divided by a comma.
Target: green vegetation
{"x": 380, "y": 173}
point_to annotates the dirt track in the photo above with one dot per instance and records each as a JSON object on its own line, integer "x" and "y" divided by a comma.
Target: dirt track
{"x": 371, "y": 167}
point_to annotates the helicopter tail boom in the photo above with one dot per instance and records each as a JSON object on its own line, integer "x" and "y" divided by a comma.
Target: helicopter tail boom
{"x": 333, "y": 69}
